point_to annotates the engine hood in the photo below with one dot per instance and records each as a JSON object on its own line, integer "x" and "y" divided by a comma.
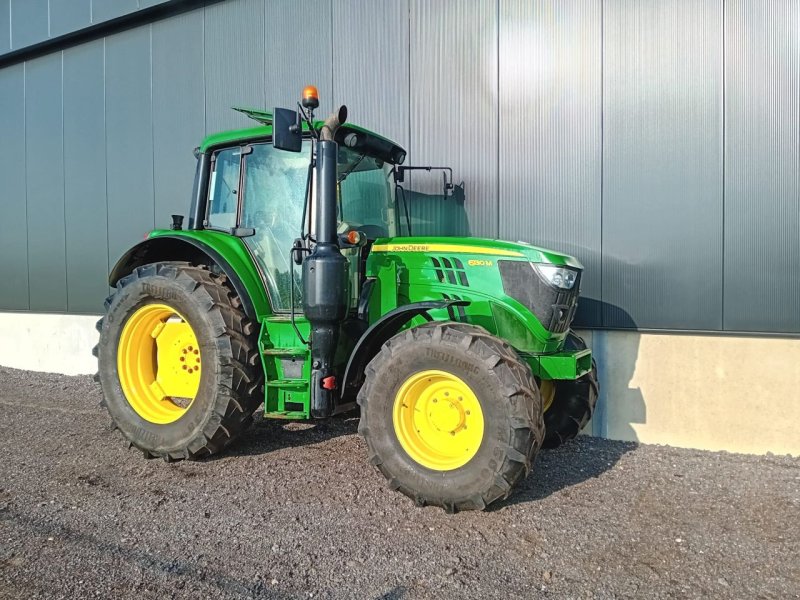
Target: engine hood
{"x": 481, "y": 248}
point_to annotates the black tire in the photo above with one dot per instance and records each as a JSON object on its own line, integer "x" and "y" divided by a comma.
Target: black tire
{"x": 509, "y": 399}
{"x": 229, "y": 384}
{"x": 573, "y": 402}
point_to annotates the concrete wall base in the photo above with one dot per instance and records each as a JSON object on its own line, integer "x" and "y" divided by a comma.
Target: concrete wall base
{"x": 738, "y": 394}
{"x": 693, "y": 391}
{"x": 48, "y": 343}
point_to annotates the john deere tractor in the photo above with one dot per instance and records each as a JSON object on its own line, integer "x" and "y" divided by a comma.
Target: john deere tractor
{"x": 292, "y": 286}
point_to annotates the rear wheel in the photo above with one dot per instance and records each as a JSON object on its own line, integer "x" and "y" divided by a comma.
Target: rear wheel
{"x": 178, "y": 361}
{"x": 451, "y": 416}
{"x": 572, "y": 402}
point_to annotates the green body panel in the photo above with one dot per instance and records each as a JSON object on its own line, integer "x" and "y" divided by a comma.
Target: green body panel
{"x": 405, "y": 273}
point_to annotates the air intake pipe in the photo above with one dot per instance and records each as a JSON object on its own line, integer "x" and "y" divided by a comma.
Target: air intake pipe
{"x": 325, "y": 274}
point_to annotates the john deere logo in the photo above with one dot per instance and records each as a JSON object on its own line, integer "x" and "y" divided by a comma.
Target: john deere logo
{"x": 410, "y": 248}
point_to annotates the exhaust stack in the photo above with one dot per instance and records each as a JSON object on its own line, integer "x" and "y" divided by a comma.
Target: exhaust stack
{"x": 325, "y": 273}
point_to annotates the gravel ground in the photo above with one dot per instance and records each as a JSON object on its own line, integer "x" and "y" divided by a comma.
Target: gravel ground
{"x": 294, "y": 511}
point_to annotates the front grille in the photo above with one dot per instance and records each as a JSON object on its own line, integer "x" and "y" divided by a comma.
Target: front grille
{"x": 553, "y": 307}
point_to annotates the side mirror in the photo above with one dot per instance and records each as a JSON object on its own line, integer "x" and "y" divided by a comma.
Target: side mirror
{"x": 286, "y": 135}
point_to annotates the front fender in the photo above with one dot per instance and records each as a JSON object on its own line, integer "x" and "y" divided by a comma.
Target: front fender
{"x": 369, "y": 344}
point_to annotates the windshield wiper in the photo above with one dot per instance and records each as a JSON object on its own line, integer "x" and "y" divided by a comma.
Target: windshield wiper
{"x": 344, "y": 175}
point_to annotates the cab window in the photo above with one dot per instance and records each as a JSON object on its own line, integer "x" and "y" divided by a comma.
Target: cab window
{"x": 223, "y": 189}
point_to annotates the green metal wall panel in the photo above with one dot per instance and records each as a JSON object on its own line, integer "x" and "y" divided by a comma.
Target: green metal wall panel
{"x": 13, "y": 202}
{"x": 298, "y": 56}
{"x": 178, "y": 111}
{"x": 762, "y": 153}
{"x": 597, "y": 127}
{"x": 662, "y": 164}
{"x": 44, "y": 171}
{"x": 85, "y": 205}
{"x": 234, "y": 61}
{"x": 5, "y": 26}
{"x": 453, "y": 79}
{"x": 374, "y": 85}
{"x": 69, "y": 15}
{"x": 103, "y": 10}
{"x": 129, "y": 140}
{"x": 29, "y": 22}
{"x": 551, "y": 132}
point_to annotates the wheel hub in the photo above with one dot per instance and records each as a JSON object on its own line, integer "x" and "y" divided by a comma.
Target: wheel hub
{"x": 159, "y": 363}
{"x": 438, "y": 420}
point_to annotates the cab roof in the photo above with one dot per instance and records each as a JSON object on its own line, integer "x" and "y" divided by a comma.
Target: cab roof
{"x": 369, "y": 142}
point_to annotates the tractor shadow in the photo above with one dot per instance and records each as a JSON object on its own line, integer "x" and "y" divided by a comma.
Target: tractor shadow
{"x": 575, "y": 462}
{"x": 270, "y": 435}
{"x": 620, "y": 406}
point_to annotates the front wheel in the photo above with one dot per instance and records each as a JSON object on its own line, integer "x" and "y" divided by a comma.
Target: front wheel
{"x": 572, "y": 402}
{"x": 451, "y": 416}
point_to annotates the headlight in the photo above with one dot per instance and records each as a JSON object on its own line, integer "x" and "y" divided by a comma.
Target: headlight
{"x": 561, "y": 277}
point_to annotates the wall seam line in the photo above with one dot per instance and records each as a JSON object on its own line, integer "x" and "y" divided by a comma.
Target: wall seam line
{"x": 602, "y": 154}
{"x": 724, "y": 120}
{"x": 105, "y": 138}
{"x": 25, "y": 174}
{"x": 499, "y": 112}
{"x": 152, "y": 126}
{"x": 64, "y": 186}
{"x": 408, "y": 107}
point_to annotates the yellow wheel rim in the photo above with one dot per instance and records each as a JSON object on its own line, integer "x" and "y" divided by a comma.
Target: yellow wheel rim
{"x": 158, "y": 362}
{"x": 438, "y": 420}
{"x": 547, "y": 389}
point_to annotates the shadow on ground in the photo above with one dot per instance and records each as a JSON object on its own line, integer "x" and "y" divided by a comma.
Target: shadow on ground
{"x": 575, "y": 462}
{"x": 269, "y": 435}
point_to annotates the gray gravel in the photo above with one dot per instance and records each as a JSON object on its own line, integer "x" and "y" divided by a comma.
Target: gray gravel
{"x": 293, "y": 511}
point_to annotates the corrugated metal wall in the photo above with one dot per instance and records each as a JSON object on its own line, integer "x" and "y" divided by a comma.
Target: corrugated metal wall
{"x": 658, "y": 141}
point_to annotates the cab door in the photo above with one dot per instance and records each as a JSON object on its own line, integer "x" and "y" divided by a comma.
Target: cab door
{"x": 272, "y": 204}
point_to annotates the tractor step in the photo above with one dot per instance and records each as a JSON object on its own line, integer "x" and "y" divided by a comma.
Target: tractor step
{"x": 295, "y": 384}
{"x": 286, "y": 352}
{"x": 280, "y": 319}
{"x": 286, "y": 414}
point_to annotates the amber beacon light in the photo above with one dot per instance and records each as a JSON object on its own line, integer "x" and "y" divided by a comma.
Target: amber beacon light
{"x": 310, "y": 97}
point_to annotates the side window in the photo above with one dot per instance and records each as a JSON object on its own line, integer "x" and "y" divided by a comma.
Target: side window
{"x": 223, "y": 188}
{"x": 274, "y": 196}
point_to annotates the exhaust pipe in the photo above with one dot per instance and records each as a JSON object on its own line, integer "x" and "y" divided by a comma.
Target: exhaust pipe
{"x": 325, "y": 274}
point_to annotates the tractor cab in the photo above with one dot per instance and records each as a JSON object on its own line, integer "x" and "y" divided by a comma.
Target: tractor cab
{"x": 262, "y": 195}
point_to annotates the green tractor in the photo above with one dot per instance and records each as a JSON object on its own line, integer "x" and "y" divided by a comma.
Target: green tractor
{"x": 292, "y": 285}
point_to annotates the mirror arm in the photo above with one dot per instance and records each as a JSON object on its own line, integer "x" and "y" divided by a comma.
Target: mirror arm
{"x": 306, "y": 115}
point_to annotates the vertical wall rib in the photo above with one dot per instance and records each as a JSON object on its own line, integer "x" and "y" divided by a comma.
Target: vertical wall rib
{"x": 86, "y": 210}
{"x": 13, "y": 224}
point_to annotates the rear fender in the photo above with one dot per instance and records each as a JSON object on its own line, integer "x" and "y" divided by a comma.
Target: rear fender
{"x": 181, "y": 248}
